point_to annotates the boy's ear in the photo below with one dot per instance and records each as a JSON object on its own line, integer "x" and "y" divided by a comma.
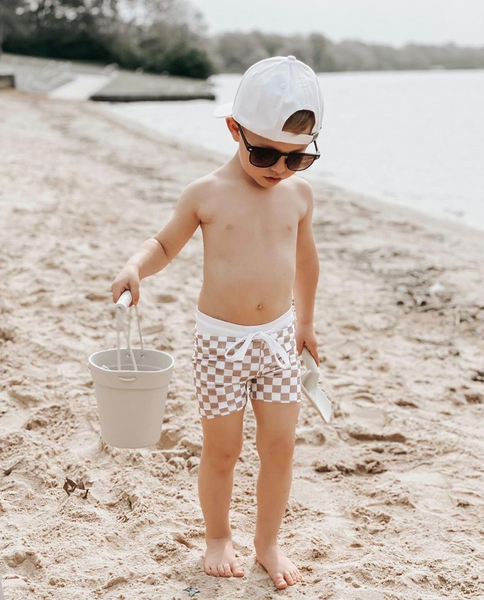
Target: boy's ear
{"x": 233, "y": 128}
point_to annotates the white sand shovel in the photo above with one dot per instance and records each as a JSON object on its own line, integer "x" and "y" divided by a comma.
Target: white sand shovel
{"x": 310, "y": 387}
{"x": 131, "y": 386}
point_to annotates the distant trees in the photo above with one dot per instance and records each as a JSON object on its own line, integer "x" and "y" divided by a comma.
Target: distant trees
{"x": 156, "y": 35}
{"x": 163, "y": 35}
{"x": 9, "y": 18}
{"x": 234, "y": 52}
{"x": 170, "y": 36}
{"x": 69, "y": 29}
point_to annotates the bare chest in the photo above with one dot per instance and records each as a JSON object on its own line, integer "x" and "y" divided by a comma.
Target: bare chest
{"x": 232, "y": 220}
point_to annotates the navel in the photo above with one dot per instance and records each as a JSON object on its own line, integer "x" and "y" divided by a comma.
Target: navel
{"x": 259, "y": 306}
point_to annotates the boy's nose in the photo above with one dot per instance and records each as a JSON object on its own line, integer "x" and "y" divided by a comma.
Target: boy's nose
{"x": 280, "y": 165}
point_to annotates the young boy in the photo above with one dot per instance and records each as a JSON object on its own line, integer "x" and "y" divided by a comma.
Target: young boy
{"x": 258, "y": 244}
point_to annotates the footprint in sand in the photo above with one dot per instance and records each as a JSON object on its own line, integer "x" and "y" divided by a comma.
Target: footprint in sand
{"x": 368, "y": 421}
{"x": 363, "y": 411}
{"x": 428, "y": 489}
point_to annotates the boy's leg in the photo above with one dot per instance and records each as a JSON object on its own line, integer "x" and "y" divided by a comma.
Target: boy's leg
{"x": 222, "y": 444}
{"x": 275, "y": 439}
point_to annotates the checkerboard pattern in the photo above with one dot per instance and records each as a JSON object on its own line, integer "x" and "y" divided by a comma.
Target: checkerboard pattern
{"x": 223, "y": 386}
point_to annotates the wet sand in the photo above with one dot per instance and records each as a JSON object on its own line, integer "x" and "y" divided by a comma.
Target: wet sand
{"x": 387, "y": 500}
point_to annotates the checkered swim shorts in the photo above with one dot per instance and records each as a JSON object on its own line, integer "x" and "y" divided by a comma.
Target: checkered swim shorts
{"x": 232, "y": 362}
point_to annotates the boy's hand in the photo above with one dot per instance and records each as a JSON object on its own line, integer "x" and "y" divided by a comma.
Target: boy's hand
{"x": 305, "y": 336}
{"x": 128, "y": 279}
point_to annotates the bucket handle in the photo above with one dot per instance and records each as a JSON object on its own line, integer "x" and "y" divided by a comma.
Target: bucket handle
{"x": 121, "y": 305}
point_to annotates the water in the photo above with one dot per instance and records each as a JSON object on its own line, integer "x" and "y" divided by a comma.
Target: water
{"x": 414, "y": 138}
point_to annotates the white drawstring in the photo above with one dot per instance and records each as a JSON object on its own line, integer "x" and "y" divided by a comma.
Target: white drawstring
{"x": 274, "y": 346}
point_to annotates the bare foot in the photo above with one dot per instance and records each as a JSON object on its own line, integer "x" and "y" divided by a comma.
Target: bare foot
{"x": 220, "y": 560}
{"x": 282, "y": 570}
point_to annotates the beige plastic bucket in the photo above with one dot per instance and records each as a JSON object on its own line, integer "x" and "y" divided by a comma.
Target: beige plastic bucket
{"x": 131, "y": 387}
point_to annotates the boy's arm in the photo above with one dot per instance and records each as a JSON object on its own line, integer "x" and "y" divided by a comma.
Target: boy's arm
{"x": 307, "y": 263}
{"x": 157, "y": 252}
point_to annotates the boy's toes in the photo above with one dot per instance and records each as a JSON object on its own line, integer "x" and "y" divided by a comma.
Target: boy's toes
{"x": 237, "y": 570}
{"x": 227, "y": 572}
{"x": 214, "y": 571}
{"x": 289, "y": 577}
{"x": 281, "y": 583}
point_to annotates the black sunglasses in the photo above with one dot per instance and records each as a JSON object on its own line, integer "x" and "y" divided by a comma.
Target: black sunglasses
{"x": 267, "y": 157}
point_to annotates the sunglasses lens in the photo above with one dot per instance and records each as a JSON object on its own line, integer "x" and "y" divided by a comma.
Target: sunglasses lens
{"x": 299, "y": 162}
{"x": 260, "y": 157}
{"x": 265, "y": 157}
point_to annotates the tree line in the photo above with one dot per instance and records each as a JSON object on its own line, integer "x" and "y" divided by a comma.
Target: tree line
{"x": 170, "y": 36}
{"x": 155, "y": 35}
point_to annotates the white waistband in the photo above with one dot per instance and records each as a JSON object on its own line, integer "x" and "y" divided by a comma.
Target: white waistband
{"x": 205, "y": 324}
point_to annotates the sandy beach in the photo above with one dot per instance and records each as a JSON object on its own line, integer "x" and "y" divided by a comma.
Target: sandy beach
{"x": 387, "y": 500}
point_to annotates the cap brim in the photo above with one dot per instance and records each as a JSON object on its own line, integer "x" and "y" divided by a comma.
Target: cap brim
{"x": 224, "y": 110}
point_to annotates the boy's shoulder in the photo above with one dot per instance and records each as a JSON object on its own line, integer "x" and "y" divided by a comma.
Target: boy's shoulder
{"x": 304, "y": 191}
{"x": 209, "y": 185}
{"x": 200, "y": 186}
{"x": 195, "y": 194}
{"x": 198, "y": 189}
{"x": 201, "y": 183}
{"x": 303, "y": 184}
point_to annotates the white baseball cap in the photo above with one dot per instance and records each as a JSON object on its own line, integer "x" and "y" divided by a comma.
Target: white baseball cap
{"x": 269, "y": 92}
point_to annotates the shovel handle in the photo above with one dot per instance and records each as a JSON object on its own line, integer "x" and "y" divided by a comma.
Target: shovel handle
{"x": 309, "y": 360}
